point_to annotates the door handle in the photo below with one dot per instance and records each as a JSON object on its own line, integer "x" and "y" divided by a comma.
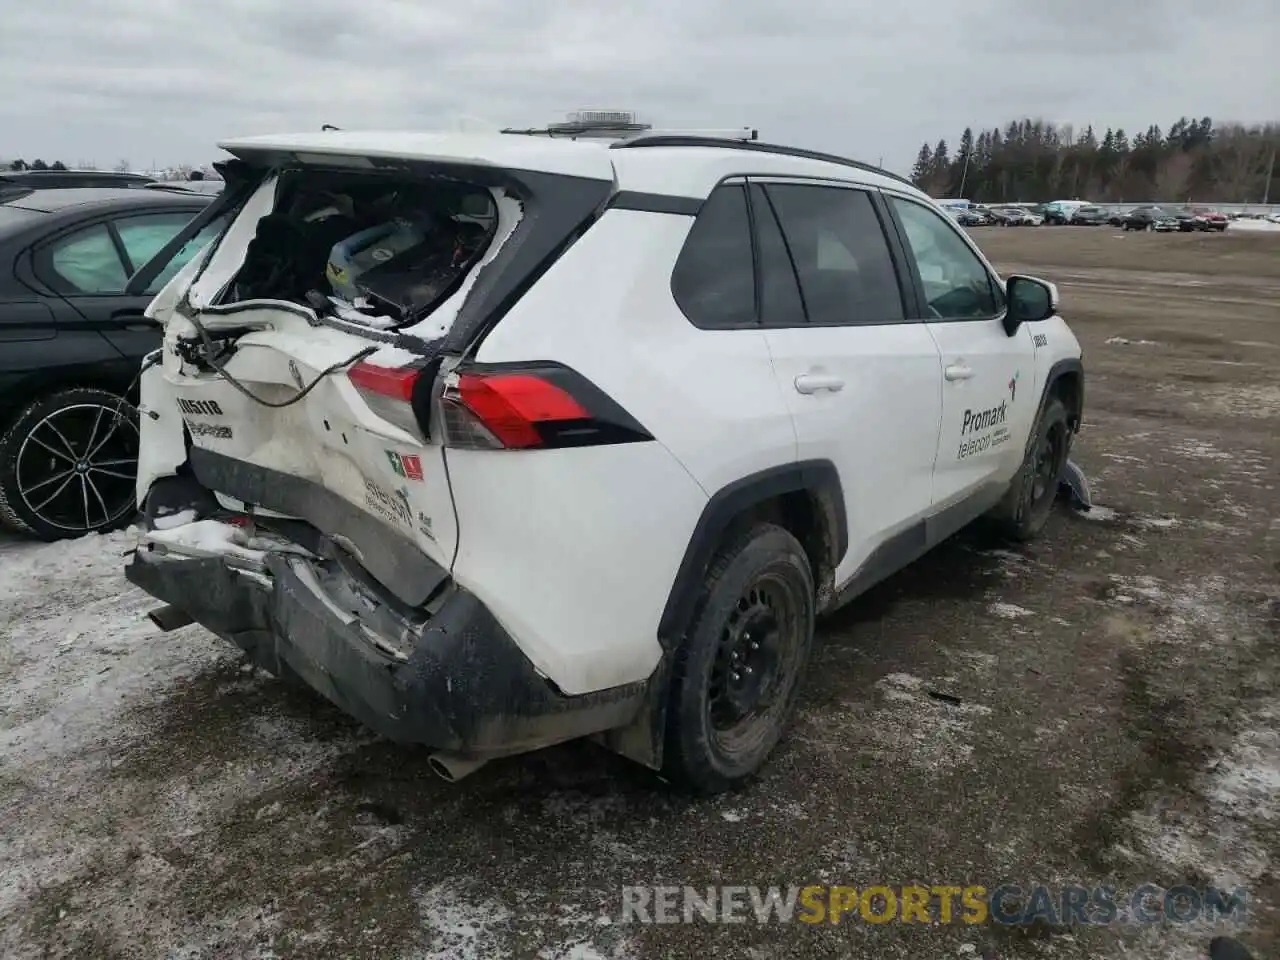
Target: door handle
{"x": 814, "y": 382}
{"x": 134, "y": 320}
{"x": 958, "y": 371}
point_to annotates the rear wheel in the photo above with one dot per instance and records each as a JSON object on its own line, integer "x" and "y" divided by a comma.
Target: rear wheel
{"x": 735, "y": 678}
{"x": 68, "y": 464}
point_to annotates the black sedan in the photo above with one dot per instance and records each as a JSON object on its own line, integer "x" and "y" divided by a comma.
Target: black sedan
{"x": 1152, "y": 218}
{"x": 1090, "y": 217}
{"x": 77, "y": 269}
{"x": 969, "y": 217}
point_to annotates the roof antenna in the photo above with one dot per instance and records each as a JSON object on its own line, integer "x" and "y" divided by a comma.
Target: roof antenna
{"x": 329, "y": 126}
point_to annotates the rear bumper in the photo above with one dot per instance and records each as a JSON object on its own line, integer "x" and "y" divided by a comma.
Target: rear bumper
{"x": 466, "y": 687}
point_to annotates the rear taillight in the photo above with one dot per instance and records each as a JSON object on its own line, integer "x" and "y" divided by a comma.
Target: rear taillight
{"x": 534, "y": 407}
{"x": 388, "y": 391}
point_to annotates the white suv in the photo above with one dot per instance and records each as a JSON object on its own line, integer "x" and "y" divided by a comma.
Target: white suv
{"x": 498, "y": 441}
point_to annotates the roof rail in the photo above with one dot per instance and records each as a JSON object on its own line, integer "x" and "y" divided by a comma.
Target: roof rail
{"x": 662, "y": 140}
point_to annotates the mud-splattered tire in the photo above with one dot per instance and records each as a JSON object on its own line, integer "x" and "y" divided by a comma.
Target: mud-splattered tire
{"x": 736, "y": 676}
{"x": 1029, "y": 501}
{"x": 68, "y": 463}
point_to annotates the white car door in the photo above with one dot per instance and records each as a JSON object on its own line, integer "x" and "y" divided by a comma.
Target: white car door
{"x": 989, "y": 393}
{"x": 863, "y": 381}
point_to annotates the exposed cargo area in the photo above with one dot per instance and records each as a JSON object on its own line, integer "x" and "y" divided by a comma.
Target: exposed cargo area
{"x": 368, "y": 248}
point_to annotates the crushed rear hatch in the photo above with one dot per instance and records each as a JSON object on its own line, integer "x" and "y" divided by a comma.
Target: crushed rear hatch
{"x": 304, "y": 351}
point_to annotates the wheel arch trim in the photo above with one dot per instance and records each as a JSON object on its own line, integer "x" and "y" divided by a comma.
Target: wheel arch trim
{"x": 818, "y": 478}
{"x": 1071, "y": 366}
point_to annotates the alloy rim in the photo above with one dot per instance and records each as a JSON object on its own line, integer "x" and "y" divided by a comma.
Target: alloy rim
{"x": 76, "y": 468}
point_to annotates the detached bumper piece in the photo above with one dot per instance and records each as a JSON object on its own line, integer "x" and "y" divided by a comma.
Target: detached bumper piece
{"x": 1076, "y": 486}
{"x": 462, "y": 686}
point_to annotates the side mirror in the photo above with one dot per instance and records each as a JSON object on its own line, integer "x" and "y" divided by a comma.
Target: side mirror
{"x": 1029, "y": 300}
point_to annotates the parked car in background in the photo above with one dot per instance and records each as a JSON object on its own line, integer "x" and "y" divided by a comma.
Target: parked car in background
{"x": 1152, "y": 218}
{"x": 1061, "y": 211}
{"x": 15, "y": 182}
{"x": 78, "y": 266}
{"x": 1015, "y": 217}
{"x": 970, "y": 217}
{"x": 1210, "y": 219}
{"x": 1116, "y": 217}
{"x": 207, "y": 188}
{"x": 1090, "y": 217}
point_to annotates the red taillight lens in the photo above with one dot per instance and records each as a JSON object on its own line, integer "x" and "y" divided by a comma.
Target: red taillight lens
{"x": 395, "y": 383}
{"x": 388, "y": 392}
{"x": 509, "y": 406}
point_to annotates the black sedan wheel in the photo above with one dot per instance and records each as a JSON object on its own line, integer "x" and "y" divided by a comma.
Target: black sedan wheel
{"x": 68, "y": 465}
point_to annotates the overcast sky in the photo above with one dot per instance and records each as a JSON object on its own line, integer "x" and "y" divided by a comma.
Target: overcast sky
{"x": 101, "y": 80}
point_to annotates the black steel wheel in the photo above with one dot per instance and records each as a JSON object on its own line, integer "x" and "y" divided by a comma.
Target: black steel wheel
{"x": 736, "y": 676}
{"x": 1029, "y": 502}
{"x": 68, "y": 464}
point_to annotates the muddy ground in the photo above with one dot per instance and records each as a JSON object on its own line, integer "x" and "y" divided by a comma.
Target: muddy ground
{"x": 1100, "y": 707}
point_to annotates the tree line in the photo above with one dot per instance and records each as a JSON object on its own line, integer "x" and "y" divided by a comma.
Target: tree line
{"x": 37, "y": 164}
{"x": 1035, "y": 161}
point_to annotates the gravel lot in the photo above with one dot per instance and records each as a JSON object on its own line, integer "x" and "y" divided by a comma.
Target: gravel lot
{"x": 1110, "y": 716}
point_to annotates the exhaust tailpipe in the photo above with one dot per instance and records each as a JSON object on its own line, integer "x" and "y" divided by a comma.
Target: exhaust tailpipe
{"x": 452, "y": 767}
{"x": 169, "y": 617}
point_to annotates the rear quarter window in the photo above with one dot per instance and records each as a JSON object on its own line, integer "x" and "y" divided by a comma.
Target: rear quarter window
{"x": 713, "y": 281}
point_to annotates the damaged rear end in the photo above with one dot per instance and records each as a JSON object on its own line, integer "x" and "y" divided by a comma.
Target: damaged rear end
{"x": 316, "y": 366}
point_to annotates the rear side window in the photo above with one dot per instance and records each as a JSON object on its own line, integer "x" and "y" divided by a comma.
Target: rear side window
{"x": 185, "y": 253}
{"x": 145, "y": 236}
{"x": 86, "y": 262}
{"x": 714, "y": 277}
{"x": 840, "y": 253}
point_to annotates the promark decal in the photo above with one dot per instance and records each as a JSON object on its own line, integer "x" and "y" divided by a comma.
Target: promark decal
{"x": 984, "y": 430}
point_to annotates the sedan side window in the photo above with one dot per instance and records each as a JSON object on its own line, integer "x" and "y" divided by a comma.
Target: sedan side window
{"x": 85, "y": 262}
{"x": 184, "y": 255}
{"x": 145, "y": 236}
{"x": 957, "y": 284}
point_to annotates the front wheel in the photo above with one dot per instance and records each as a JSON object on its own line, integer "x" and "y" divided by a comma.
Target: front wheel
{"x": 735, "y": 678}
{"x": 68, "y": 464}
{"x": 1026, "y": 506}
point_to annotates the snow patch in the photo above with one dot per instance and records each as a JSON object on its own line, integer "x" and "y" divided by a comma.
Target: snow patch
{"x": 1135, "y": 343}
{"x": 459, "y": 928}
{"x": 171, "y": 520}
{"x": 921, "y": 730}
{"x": 1161, "y": 523}
{"x": 1247, "y": 781}
{"x": 1199, "y": 450}
{"x": 77, "y": 648}
{"x": 1097, "y": 513}
{"x": 1253, "y": 226}
{"x": 1225, "y": 841}
{"x": 1008, "y": 611}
